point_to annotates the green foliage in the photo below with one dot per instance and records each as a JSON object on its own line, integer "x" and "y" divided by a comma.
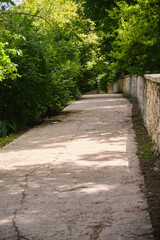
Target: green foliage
{"x": 8, "y": 69}
{"x": 7, "y": 139}
{"x": 54, "y": 52}
{"x": 136, "y": 47}
{"x": 130, "y": 35}
{"x": 128, "y": 97}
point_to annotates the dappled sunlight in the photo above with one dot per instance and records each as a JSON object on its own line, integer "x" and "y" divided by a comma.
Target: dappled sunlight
{"x": 78, "y": 169}
{"x": 103, "y": 159}
{"x": 103, "y": 163}
{"x": 87, "y": 188}
{"x": 73, "y": 147}
{"x": 5, "y": 221}
{"x": 111, "y": 97}
{"x": 98, "y": 188}
{"x": 70, "y": 125}
{"x": 106, "y": 107}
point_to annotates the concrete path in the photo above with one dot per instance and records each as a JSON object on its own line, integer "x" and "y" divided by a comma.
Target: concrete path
{"x": 75, "y": 177}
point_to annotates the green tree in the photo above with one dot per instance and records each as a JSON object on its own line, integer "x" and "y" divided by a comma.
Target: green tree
{"x": 7, "y": 67}
{"x": 136, "y": 48}
{"x": 60, "y": 57}
{"x": 129, "y": 33}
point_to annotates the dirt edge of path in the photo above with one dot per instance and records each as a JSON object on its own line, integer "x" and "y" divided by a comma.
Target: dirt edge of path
{"x": 149, "y": 165}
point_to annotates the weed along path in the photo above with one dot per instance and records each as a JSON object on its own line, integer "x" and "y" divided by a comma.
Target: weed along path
{"x": 75, "y": 177}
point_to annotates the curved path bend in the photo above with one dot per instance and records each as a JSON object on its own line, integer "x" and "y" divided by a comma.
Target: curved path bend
{"x": 75, "y": 177}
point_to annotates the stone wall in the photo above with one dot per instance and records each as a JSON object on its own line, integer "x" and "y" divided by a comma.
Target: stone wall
{"x": 147, "y": 90}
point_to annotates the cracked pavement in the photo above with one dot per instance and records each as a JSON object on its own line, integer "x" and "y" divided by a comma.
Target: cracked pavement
{"x": 75, "y": 177}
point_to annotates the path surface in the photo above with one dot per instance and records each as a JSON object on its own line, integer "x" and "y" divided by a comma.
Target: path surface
{"x": 75, "y": 177}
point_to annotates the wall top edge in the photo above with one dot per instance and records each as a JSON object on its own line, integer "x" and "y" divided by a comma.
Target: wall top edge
{"x": 153, "y": 77}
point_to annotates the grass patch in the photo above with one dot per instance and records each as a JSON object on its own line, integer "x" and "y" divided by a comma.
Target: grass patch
{"x": 128, "y": 97}
{"x": 8, "y": 139}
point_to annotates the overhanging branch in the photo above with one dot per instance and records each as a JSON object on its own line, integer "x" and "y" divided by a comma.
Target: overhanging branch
{"x": 27, "y": 14}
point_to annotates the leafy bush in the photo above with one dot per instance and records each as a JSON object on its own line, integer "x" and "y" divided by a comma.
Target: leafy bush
{"x": 58, "y": 58}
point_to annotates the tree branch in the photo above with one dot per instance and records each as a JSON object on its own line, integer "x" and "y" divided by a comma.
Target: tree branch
{"x": 27, "y": 14}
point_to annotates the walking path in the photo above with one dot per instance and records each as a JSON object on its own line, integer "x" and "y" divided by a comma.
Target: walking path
{"x": 75, "y": 177}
